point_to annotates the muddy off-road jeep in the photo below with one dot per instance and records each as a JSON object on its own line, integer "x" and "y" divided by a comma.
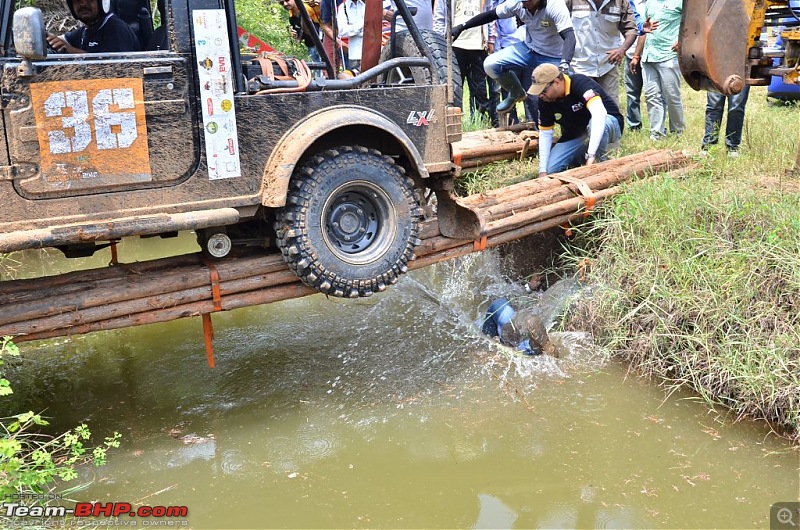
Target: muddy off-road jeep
{"x": 194, "y": 134}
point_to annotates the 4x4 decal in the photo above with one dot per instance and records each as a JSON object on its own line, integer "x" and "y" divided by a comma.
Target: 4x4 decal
{"x": 91, "y": 128}
{"x": 418, "y": 118}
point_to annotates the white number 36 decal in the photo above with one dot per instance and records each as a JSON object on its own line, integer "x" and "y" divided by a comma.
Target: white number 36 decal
{"x": 114, "y": 130}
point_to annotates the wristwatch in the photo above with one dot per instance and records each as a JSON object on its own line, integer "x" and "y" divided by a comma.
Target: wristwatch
{"x": 588, "y": 156}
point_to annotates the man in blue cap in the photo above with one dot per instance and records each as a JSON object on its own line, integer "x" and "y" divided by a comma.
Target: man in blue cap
{"x": 102, "y": 30}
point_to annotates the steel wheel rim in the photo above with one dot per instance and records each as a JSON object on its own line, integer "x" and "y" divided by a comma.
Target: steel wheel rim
{"x": 358, "y": 222}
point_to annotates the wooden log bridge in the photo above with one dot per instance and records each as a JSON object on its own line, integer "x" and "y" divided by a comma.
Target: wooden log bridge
{"x": 166, "y": 289}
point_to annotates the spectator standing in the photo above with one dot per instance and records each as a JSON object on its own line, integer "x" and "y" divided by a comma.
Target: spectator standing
{"x": 589, "y": 119}
{"x": 350, "y": 21}
{"x": 299, "y": 29}
{"x": 327, "y": 12}
{"x": 549, "y": 38}
{"x": 423, "y": 18}
{"x": 509, "y": 34}
{"x": 658, "y": 55}
{"x": 715, "y": 105}
{"x": 598, "y": 50}
{"x": 471, "y": 50}
{"x": 633, "y": 78}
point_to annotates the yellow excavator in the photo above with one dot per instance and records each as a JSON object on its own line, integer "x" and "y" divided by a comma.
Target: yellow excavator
{"x": 723, "y": 48}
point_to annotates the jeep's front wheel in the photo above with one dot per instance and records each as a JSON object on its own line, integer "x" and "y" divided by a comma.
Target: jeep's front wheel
{"x": 350, "y": 223}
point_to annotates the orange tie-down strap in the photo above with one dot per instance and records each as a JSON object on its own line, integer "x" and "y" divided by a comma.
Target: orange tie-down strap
{"x": 479, "y": 244}
{"x": 584, "y": 189}
{"x": 216, "y": 297}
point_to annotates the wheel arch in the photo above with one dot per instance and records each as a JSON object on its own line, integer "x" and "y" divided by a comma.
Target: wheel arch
{"x": 329, "y": 128}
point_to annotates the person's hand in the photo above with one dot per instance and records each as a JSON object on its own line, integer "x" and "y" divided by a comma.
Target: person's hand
{"x": 456, "y": 31}
{"x": 650, "y": 26}
{"x": 293, "y": 32}
{"x": 490, "y": 47}
{"x": 634, "y": 64}
{"x": 677, "y": 46}
{"x": 542, "y": 174}
{"x": 615, "y": 56}
{"x": 590, "y": 160}
{"x": 57, "y": 44}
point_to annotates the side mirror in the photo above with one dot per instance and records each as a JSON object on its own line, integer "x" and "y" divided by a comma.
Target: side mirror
{"x": 30, "y": 35}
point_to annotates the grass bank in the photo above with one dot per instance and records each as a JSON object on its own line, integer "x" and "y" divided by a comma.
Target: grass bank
{"x": 697, "y": 280}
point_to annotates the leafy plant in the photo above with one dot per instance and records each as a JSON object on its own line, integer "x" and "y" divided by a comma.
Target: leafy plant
{"x": 31, "y": 461}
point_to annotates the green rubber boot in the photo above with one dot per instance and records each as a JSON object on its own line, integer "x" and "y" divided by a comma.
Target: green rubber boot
{"x": 516, "y": 93}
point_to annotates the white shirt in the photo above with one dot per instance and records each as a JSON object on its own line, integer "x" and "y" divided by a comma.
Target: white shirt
{"x": 350, "y": 19}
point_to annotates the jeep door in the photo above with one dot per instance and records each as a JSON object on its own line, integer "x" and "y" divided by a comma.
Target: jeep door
{"x": 99, "y": 123}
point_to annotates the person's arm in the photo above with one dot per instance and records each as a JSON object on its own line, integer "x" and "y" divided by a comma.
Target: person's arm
{"x": 560, "y": 15}
{"x": 597, "y": 127}
{"x": 545, "y": 144}
{"x": 637, "y": 17}
{"x": 478, "y": 20}
{"x": 569, "y": 48}
{"x": 491, "y": 37}
{"x": 629, "y": 30}
{"x": 439, "y": 12}
{"x": 616, "y": 55}
{"x": 637, "y": 54}
{"x": 326, "y": 18}
{"x": 60, "y": 45}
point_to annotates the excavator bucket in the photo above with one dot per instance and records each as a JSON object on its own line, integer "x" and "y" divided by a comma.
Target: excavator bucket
{"x": 714, "y": 45}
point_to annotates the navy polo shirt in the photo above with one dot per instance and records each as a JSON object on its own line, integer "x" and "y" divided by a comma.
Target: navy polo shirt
{"x": 570, "y": 111}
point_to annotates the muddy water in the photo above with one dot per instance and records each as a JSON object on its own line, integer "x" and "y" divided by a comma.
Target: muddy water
{"x": 394, "y": 412}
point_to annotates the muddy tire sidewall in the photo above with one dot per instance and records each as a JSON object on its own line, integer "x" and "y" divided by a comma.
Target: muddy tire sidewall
{"x": 351, "y": 222}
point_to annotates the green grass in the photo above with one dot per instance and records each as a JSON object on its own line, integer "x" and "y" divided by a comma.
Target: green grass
{"x": 697, "y": 280}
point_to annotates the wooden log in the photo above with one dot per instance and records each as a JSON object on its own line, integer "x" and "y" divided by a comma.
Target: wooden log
{"x": 462, "y": 249}
{"x": 94, "y": 293}
{"x": 498, "y": 197}
{"x": 472, "y": 163}
{"x": 147, "y": 303}
{"x": 551, "y": 189}
{"x": 264, "y": 296}
{"x": 545, "y": 212}
{"x": 493, "y": 149}
{"x": 8, "y": 288}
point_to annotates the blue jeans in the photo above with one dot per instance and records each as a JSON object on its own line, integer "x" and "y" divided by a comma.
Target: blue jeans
{"x": 512, "y": 57}
{"x": 572, "y": 153}
{"x": 633, "y": 90}
{"x": 715, "y": 104}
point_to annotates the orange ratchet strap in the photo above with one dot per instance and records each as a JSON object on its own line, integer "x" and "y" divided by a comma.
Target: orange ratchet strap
{"x": 479, "y": 244}
{"x": 584, "y": 189}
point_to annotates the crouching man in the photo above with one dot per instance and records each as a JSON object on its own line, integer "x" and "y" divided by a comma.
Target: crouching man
{"x": 589, "y": 119}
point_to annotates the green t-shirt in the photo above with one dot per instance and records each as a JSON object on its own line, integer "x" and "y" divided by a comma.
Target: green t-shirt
{"x": 658, "y": 45}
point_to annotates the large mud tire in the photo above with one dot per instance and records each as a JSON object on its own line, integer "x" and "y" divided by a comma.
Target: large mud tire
{"x": 350, "y": 223}
{"x": 406, "y": 47}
